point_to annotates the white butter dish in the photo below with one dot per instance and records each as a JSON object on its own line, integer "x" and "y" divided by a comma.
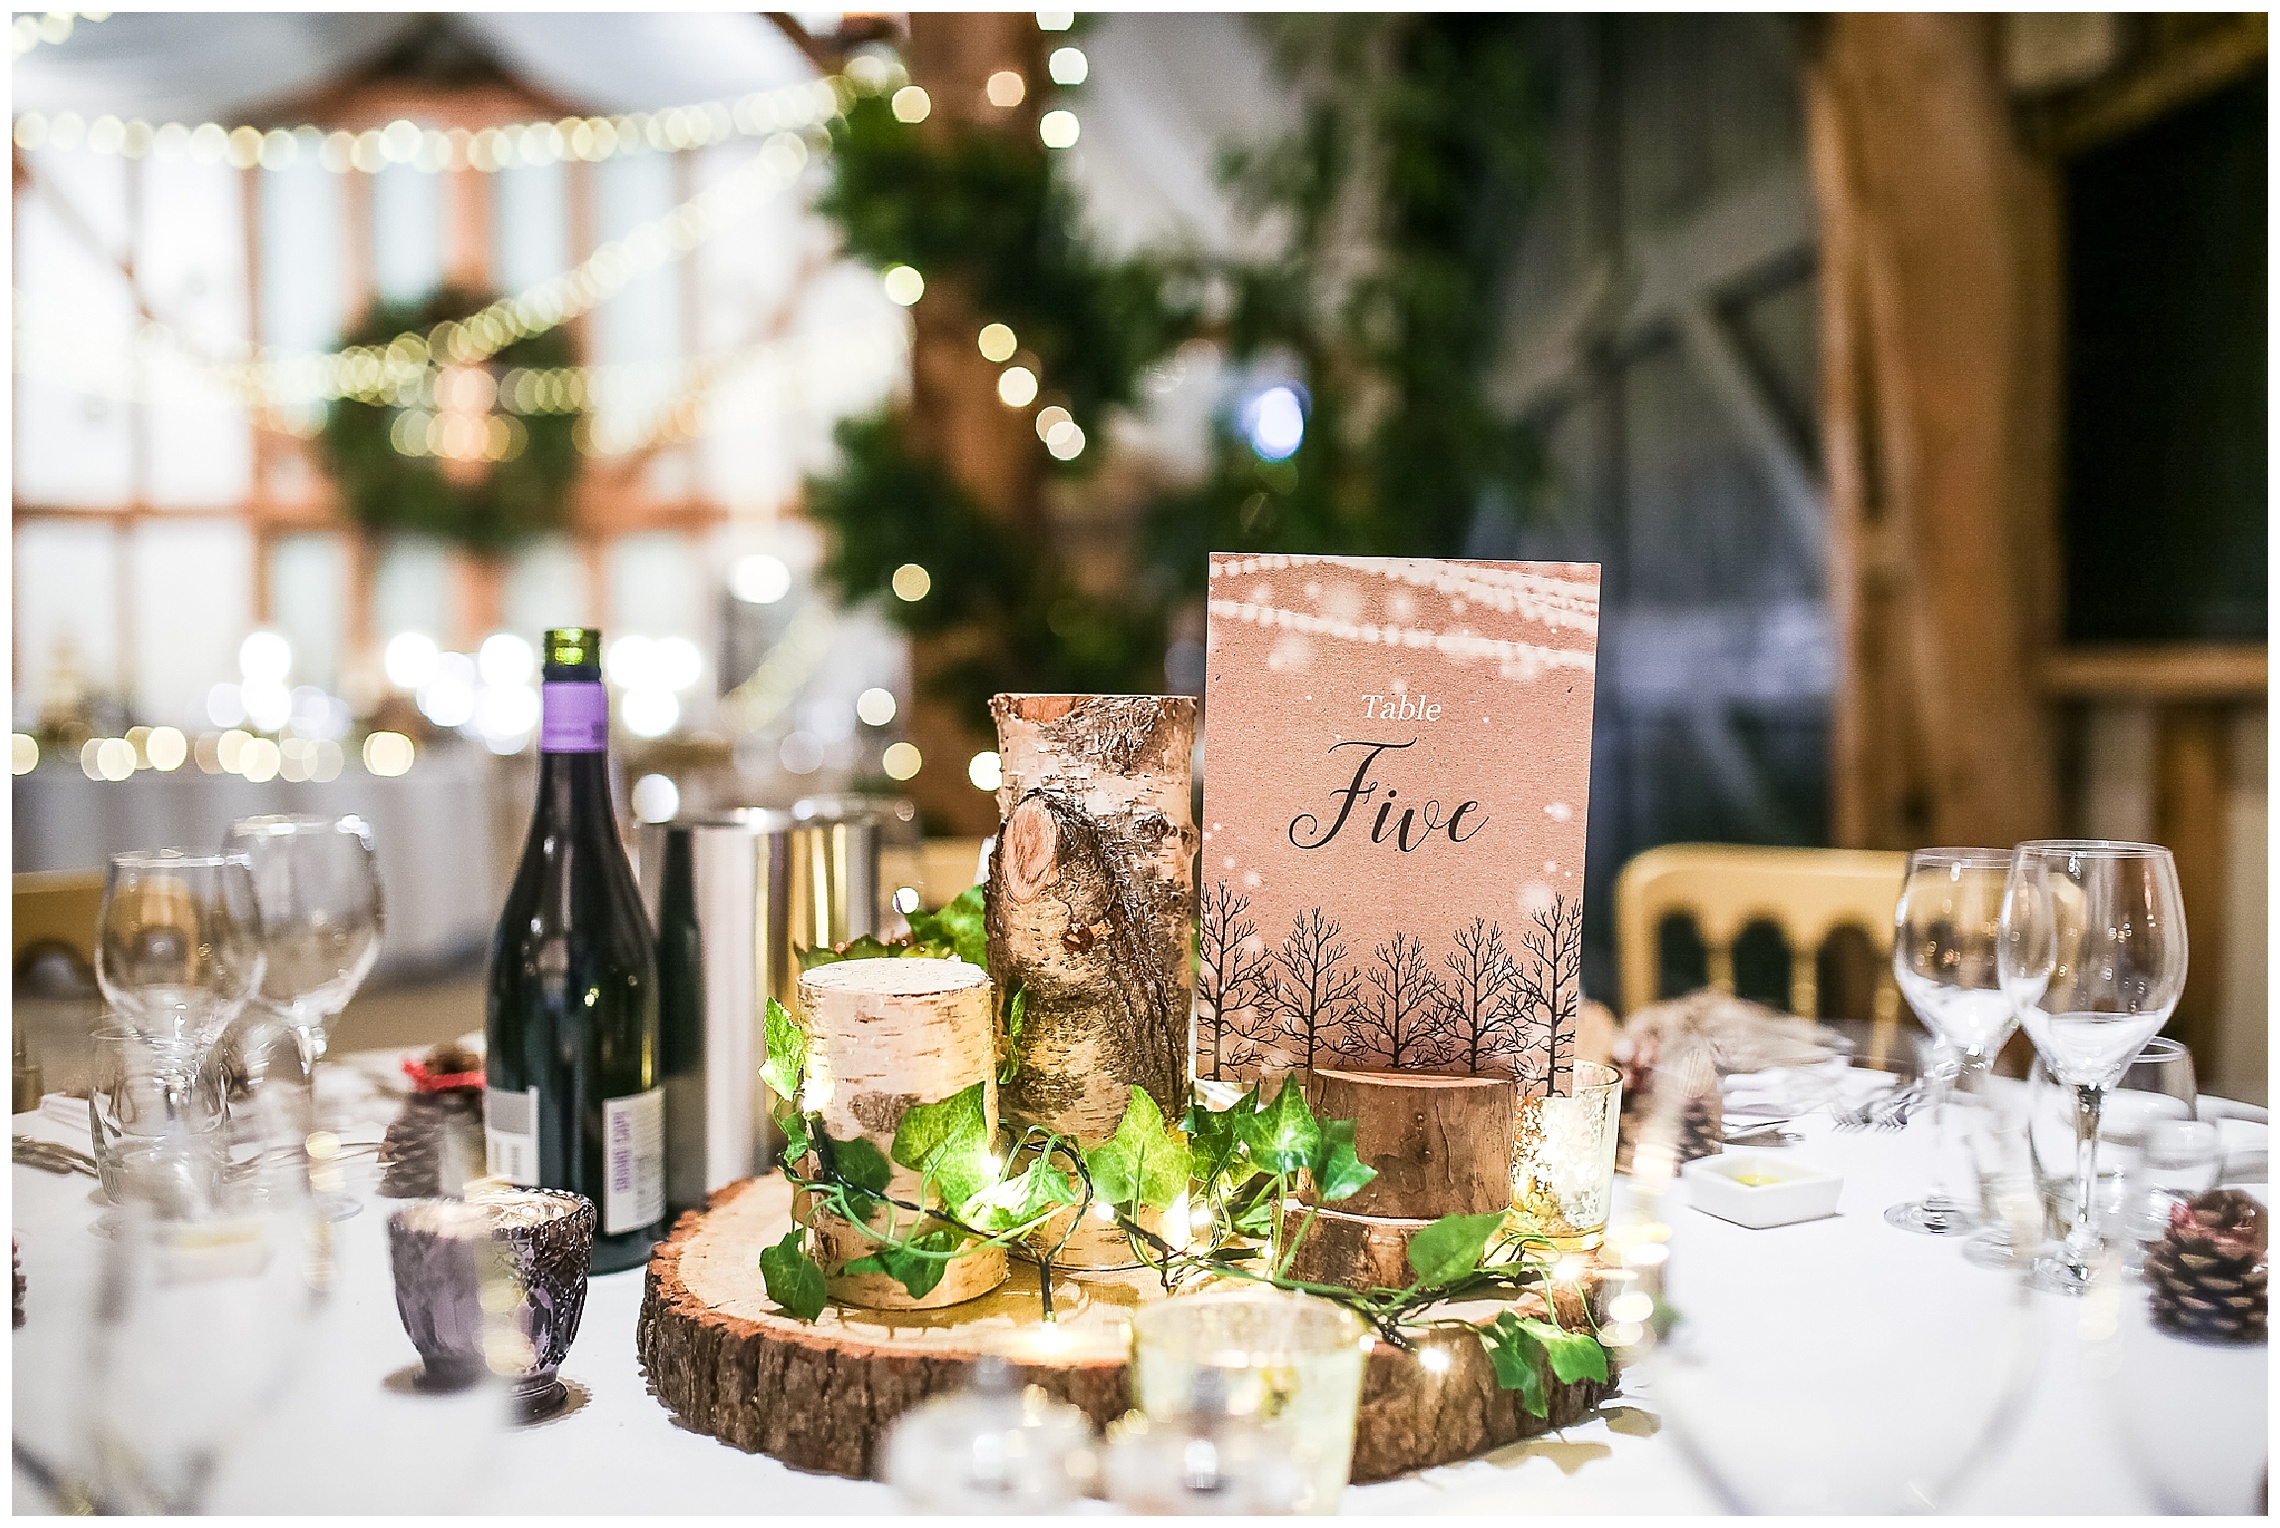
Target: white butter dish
{"x": 1760, "y": 1189}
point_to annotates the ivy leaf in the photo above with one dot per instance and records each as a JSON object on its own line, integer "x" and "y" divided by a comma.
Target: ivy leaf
{"x": 1281, "y": 1137}
{"x": 859, "y": 1162}
{"x": 787, "y": 1054}
{"x": 1016, "y": 1020}
{"x": 1211, "y": 1134}
{"x": 1018, "y": 1201}
{"x": 794, "y": 1282}
{"x": 1573, "y": 1355}
{"x": 1451, "y": 1246}
{"x": 956, "y": 929}
{"x": 1337, "y": 1171}
{"x": 948, "y": 1141}
{"x": 796, "y": 1142}
{"x": 907, "y": 1264}
{"x": 1512, "y": 1349}
{"x": 1144, "y": 1163}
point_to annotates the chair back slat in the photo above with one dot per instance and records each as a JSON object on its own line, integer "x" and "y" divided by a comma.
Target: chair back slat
{"x": 1807, "y": 894}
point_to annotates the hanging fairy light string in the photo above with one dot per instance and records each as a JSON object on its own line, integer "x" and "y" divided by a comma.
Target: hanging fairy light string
{"x": 406, "y": 368}
{"x": 28, "y": 31}
{"x": 587, "y": 140}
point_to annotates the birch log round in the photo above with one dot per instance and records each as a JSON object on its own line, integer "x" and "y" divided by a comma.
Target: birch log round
{"x": 884, "y": 1035}
{"x": 1441, "y": 1145}
{"x": 1091, "y": 897}
{"x": 820, "y": 1395}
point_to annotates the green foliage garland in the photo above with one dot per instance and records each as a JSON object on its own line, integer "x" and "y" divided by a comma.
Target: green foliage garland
{"x": 1418, "y": 148}
{"x": 384, "y": 490}
{"x": 1239, "y": 1165}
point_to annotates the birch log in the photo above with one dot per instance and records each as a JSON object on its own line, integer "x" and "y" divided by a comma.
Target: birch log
{"x": 1091, "y": 899}
{"x": 882, "y": 1036}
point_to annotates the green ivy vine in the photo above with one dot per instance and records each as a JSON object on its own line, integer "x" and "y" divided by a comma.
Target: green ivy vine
{"x": 1236, "y": 1168}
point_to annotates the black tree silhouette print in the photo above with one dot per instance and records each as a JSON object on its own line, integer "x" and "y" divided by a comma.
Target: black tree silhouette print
{"x": 1231, "y": 986}
{"x": 1476, "y": 1011}
{"x": 1547, "y": 995}
{"x": 1314, "y": 989}
{"x": 1400, "y": 1022}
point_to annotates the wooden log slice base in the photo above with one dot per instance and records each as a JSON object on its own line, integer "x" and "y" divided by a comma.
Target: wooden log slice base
{"x": 820, "y": 1395}
{"x": 1441, "y": 1145}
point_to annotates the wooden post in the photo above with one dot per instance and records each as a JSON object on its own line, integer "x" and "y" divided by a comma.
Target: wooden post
{"x": 954, "y": 414}
{"x": 1090, "y": 899}
{"x": 1940, "y": 291}
{"x": 884, "y": 1035}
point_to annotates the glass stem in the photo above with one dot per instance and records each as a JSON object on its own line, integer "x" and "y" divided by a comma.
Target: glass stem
{"x": 1942, "y": 1081}
{"x": 2082, "y": 1238}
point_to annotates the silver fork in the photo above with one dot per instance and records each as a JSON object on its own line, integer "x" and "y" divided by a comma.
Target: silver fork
{"x": 1899, "y": 1105}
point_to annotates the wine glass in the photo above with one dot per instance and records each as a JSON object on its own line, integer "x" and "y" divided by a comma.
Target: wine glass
{"x": 178, "y": 949}
{"x": 204, "y": 1311}
{"x": 2149, "y": 1112}
{"x": 1945, "y": 929}
{"x": 2093, "y": 955}
{"x": 318, "y": 886}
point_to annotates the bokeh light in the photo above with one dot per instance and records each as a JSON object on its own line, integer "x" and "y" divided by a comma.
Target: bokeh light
{"x": 505, "y": 659}
{"x": 225, "y": 705}
{"x": 676, "y": 663}
{"x": 997, "y": 342}
{"x": 1058, "y": 129}
{"x": 1017, "y": 387}
{"x": 904, "y": 285}
{"x": 760, "y": 579}
{"x": 448, "y": 699}
{"x": 23, "y": 753}
{"x": 1005, "y": 89}
{"x": 260, "y": 760}
{"x": 265, "y": 657}
{"x": 901, "y": 761}
{"x": 409, "y": 660}
{"x": 910, "y": 104}
{"x": 1065, "y": 441}
{"x": 875, "y": 707}
{"x": 166, "y": 749}
{"x": 985, "y": 771}
{"x": 1068, "y": 66}
{"x": 911, "y": 582}
{"x": 1056, "y": 21}
{"x": 649, "y": 711}
{"x": 801, "y": 753}
{"x": 1275, "y": 423}
{"x": 386, "y": 753}
{"x": 656, "y": 798}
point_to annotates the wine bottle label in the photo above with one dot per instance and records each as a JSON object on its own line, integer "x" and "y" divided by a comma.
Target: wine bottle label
{"x": 574, "y": 717}
{"x": 510, "y": 1135}
{"x": 633, "y": 1140}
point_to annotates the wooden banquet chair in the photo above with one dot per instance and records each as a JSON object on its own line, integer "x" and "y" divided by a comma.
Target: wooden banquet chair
{"x": 1728, "y": 890}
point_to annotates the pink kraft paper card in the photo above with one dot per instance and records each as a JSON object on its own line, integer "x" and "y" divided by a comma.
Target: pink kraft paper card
{"x": 1397, "y": 766}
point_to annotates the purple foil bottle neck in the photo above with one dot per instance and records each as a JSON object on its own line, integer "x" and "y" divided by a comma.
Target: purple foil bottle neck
{"x": 574, "y": 717}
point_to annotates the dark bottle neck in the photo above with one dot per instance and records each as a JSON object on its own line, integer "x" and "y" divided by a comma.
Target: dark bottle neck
{"x": 574, "y": 788}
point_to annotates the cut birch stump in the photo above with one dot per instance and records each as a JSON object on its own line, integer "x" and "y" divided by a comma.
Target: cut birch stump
{"x": 882, "y": 1036}
{"x": 820, "y": 1395}
{"x": 1091, "y": 897}
{"x": 1441, "y": 1145}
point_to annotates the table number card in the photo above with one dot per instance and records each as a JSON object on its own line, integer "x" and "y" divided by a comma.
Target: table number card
{"x": 1395, "y": 782}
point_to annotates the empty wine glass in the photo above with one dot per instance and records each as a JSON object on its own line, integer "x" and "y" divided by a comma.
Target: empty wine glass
{"x": 318, "y": 887}
{"x": 1946, "y": 926}
{"x": 203, "y": 1312}
{"x": 2093, "y": 955}
{"x": 178, "y": 951}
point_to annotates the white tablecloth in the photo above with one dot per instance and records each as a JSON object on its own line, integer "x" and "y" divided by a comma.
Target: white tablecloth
{"x": 352, "y": 1440}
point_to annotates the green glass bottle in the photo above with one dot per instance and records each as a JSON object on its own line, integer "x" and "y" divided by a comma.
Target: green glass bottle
{"x": 572, "y": 1097}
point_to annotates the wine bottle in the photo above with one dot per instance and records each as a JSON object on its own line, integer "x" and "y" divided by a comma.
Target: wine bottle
{"x": 572, "y": 1097}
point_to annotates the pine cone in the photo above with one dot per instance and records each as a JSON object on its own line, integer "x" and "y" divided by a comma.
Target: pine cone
{"x": 16, "y": 1254}
{"x": 1702, "y": 1126}
{"x": 434, "y": 1146}
{"x": 2208, "y": 1273}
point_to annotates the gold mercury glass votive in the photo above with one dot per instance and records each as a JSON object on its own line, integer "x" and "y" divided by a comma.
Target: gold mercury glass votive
{"x": 1290, "y": 1363}
{"x": 1563, "y": 1159}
